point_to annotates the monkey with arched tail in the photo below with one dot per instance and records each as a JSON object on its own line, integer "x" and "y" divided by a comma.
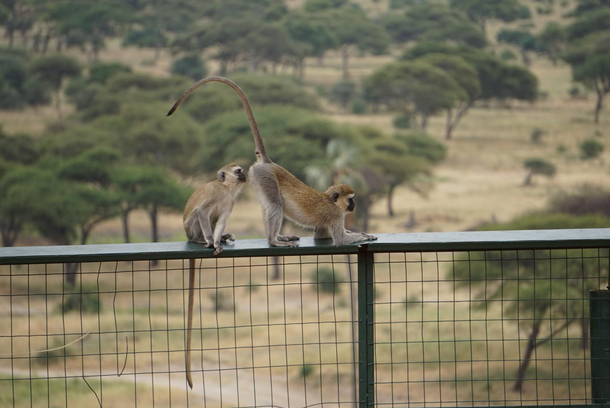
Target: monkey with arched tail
{"x": 281, "y": 193}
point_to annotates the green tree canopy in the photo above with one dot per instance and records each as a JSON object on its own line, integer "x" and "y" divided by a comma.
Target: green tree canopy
{"x": 433, "y": 22}
{"x": 525, "y": 40}
{"x": 19, "y": 148}
{"x": 586, "y": 6}
{"x": 214, "y": 99}
{"x": 466, "y": 77}
{"x": 589, "y": 23}
{"x": 480, "y": 11}
{"x": 552, "y": 40}
{"x": 590, "y": 61}
{"x": 293, "y": 137}
{"x": 498, "y": 79}
{"x": 414, "y": 87}
{"x": 86, "y": 25}
{"x": 53, "y": 71}
{"x": 158, "y": 191}
{"x": 353, "y": 30}
{"x": 18, "y": 86}
{"x": 537, "y": 166}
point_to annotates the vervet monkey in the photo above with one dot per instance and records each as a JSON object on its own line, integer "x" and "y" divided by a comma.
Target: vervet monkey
{"x": 282, "y": 193}
{"x": 205, "y": 217}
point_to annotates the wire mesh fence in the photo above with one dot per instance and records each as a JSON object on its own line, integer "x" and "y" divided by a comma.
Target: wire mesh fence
{"x": 370, "y": 327}
{"x": 484, "y": 328}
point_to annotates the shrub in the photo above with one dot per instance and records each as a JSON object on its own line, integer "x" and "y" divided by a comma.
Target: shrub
{"x": 191, "y": 66}
{"x": 359, "y": 107}
{"x": 396, "y": 4}
{"x": 326, "y": 280}
{"x": 508, "y": 55}
{"x": 576, "y": 92}
{"x": 523, "y": 12}
{"x": 101, "y": 72}
{"x": 343, "y": 92}
{"x": 424, "y": 146}
{"x": 83, "y": 302}
{"x": 402, "y": 122}
{"x": 537, "y": 135}
{"x": 306, "y": 370}
{"x": 590, "y": 149}
{"x": 220, "y": 301}
{"x": 538, "y": 166}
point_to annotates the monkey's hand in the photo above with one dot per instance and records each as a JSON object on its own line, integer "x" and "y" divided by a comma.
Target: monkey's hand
{"x": 227, "y": 237}
{"x": 217, "y": 250}
{"x": 369, "y": 236}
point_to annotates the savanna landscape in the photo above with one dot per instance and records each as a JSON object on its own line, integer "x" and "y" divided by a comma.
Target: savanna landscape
{"x": 88, "y": 157}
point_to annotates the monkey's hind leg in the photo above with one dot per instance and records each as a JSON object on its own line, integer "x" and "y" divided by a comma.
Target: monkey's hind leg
{"x": 268, "y": 193}
{"x": 206, "y": 229}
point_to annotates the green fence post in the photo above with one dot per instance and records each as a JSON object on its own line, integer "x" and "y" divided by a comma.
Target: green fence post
{"x": 366, "y": 346}
{"x": 599, "y": 309}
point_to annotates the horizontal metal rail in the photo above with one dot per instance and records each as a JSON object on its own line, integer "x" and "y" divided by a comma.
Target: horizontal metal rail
{"x": 412, "y": 242}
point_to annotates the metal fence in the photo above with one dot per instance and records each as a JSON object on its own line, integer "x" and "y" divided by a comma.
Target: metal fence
{"x": 412, "y": 320}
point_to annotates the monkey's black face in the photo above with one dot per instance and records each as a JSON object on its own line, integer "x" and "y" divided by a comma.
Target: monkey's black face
{"x": 351, "y": 204}
{"x": 241, "y": 176}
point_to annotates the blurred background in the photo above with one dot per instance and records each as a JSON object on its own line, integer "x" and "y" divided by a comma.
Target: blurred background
{"x": 444, "y": 115}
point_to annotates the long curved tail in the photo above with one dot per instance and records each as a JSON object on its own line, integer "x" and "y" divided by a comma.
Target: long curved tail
{"x": 261, "y": 153}
{"x": 189, "y": 329}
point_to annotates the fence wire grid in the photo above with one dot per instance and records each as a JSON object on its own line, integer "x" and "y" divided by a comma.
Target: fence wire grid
{"x": 450, "y": 328}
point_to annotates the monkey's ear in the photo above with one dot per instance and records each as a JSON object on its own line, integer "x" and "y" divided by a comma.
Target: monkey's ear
{"x": 335, "y": 197}
{"x": 221, "y": 176}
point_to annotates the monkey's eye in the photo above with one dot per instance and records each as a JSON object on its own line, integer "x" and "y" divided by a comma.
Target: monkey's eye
{"x": 238, "y": 171}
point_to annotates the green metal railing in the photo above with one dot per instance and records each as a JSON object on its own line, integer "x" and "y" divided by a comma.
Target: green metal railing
{"x": 507, "y": 318}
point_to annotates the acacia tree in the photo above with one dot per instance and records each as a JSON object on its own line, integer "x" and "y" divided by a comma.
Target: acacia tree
{"x": 87, "y": 25}
{"x": 414, "y": 88}
{"x": 53, "y": 71}
{"x": 159, "y": 19}
{"x": 546, "y": 297}
{"x": 36, "y": 196}
{"x": 353, "y": 30}
{"x": 433, "y": 22}
{"x": 160, "y": 191}
{"x": 466, "y": 77}
{"x": 394, "y": 160}
{"x": 498, "y": 80}
{"x": 479, "y": 11}
{"x": 552, "y": 41}
{"x": 590, "y": 61}
{"x": 525, "y": 40}
{"x": 92, "y": 171}
{"x": 537, "y": 166}
{"x": 316, "y": 36}
{"x": 127, "y": 181}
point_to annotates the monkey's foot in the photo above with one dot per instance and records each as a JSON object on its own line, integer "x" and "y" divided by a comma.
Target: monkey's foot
{"x": 369, "y": 237}
{"x": 287, "y": 238}
{"x": 283, "y": 243}
{"x": 217, "y": 250}
{"x": 227, "y": 237}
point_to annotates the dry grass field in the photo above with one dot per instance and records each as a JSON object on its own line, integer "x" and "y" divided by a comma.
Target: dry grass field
{"x": 481, "y": 179}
